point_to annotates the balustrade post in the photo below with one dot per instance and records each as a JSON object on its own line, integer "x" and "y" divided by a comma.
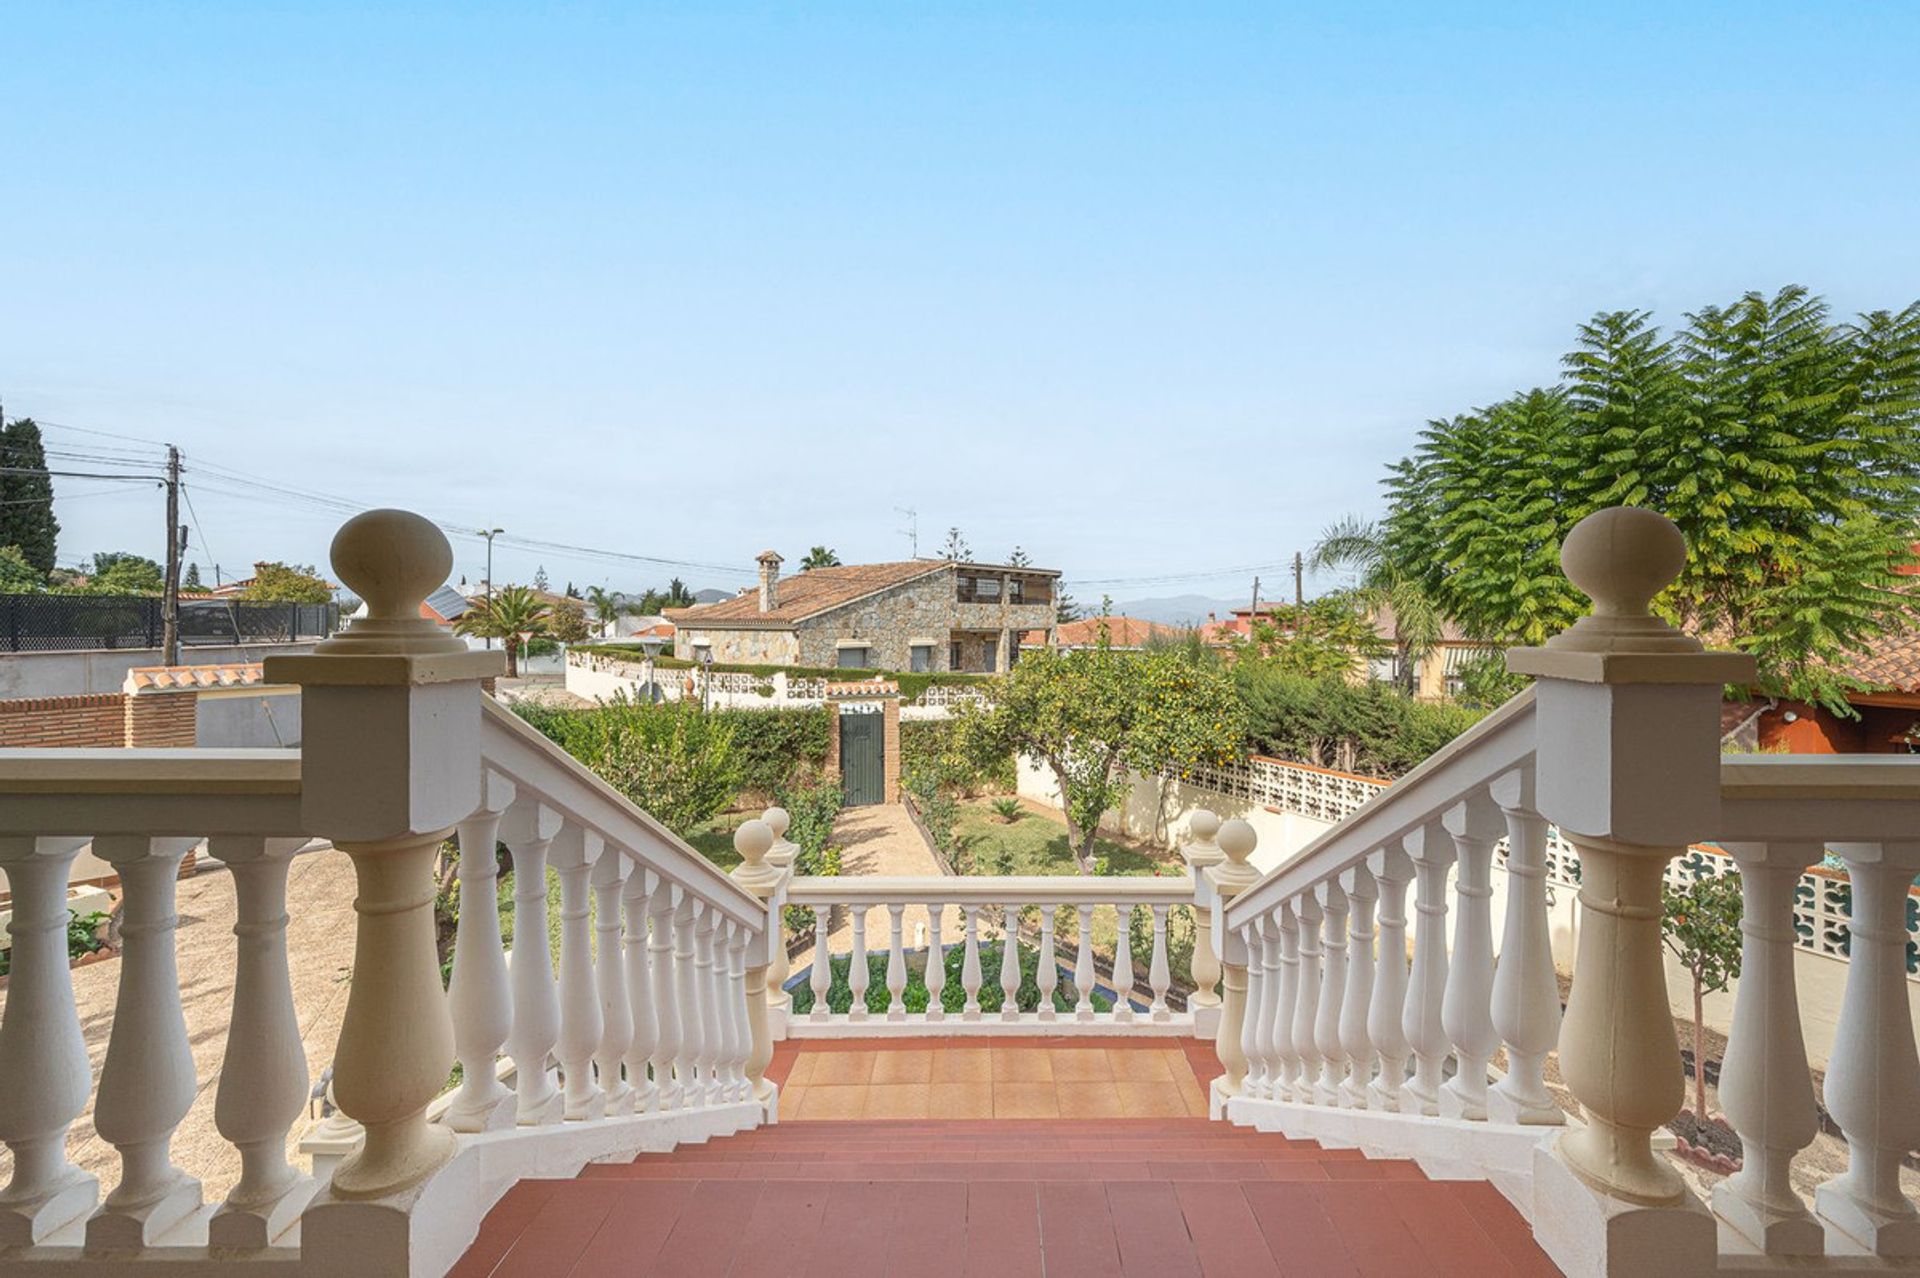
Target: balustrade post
{"x": 705, "y": 995}
{"x": 147, "y": 1081}
{"x": 1259, "y": 1008}
{"x": 580, "y": 1023}
{"x": 1361, "y": 891}
{"x": 1392, "y": 870}
{"x": 820, "y": 979}
{"x": 666, "y": 994}
{"x": 779, "y": 966}
{"x": 761, "y": 875}
{"x": 1466, "y": 1010}
{"x": 390, "y": 761}
{"x": 638, "y": 898}
{"x": 1431, "y": 850}
{"x": 1228, "y": 879}
{"x": 896, "y": 962}
{"x": 934, "y": 972}
{"x": 610, "y": 977}
{"x": 1627, "y": 765}
{"x": 1083, "y": 977}
{"x": 1159, "y": 975}
{"x": 1047, "y": 973}
{"x": 970, "y": 964}
{"x": 1526, "y": 991}
{"x": 1123, "y": 964}
{"x": 263, "y": 1076}
{"x": 43, "y": 1056}
{"x": 744, "y": 999}
{"x": 1010, "y": 962}
{"x": 687, "y": 997}
{"x": 478, "y": 994}
{"x": 1333, "y": 990}
{"x": 1285, "y": 1079}
{"x": 859, "y": 970}
{"x": 1766, "y": 1089}
{"x": 1873, "y": 1079}
{"x": 1202, "y": 852}
{"x": 1306, "y": 1006}
{"x": 529, "y": 829}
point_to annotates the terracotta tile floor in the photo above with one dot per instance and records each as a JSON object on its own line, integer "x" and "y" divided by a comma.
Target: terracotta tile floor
{"x": 991, "y": 1078}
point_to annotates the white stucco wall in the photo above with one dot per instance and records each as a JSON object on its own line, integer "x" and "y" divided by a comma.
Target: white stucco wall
{"x": 68, "y": 674}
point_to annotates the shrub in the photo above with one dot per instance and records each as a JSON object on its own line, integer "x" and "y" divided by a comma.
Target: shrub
{"x": 670, "y": 759}
{"x": 938, "y": 811}
{"x": 812, "y": 802}
{"x": 1370, "y": 728}
{"x": 928, "y": 743}
{"x": 953, "y": 998}
{"x": 776, "y": 746}
{"x": 1007, "y": 809}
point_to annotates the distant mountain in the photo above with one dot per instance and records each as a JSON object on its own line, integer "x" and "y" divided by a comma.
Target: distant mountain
{"x": 710, "y": 596}
{"x": 1176, "y": 610}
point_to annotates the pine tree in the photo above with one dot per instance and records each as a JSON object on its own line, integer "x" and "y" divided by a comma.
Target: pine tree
{"x": 26, "y": 515}
{"x": 192, "y": 580}
{"x": 540, "y": 578}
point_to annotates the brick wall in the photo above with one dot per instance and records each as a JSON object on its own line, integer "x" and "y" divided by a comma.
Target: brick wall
{"x": 162, "y": 719}
{"x": 98, "y": 719}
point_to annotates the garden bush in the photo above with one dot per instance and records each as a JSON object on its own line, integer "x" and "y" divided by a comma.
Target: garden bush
{"x": 677, "y": 763}
{"x": 1369, "y": 728}
{"x": 931, "y": 743}
{"x": 953, "y": 998}
{"x": 775, "y": 746}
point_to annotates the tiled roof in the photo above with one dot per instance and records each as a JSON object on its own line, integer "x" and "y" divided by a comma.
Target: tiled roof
{"x": 1122, "y": 632}
{"x": 806, "y": 594}
{"x": 176, "y": 678}
{"x": 1893, "y": 662}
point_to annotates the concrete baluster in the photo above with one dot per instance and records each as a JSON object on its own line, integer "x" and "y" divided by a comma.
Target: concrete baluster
{"x": 1123, "y": 964}
{"x": 1202, "y": 852}
{"x": 575, "y": 852}
{"x": 1357, "y": 1001}
{"x": 1159, "y": 974}
{"x": 665, "y": 906}
{"x": 529, "y": 830}
{"x": 610, "y": 977}
{"x": 820, "y": 980}
{"x": 1466, "y": 1010}
{"x": 780, "y": 857}
{"x": 859, "y": 969}
{"x": 762, "y": 875}
{"x": 1392, "y": 870}
{"x": 1873, "y": 1079}
{"x": 1083, "y": 974}
{"x": 1227, "y": 880}
{"x": 479, "y": 995}
{"x": 147, "y": 1082}
{"x": 1010, "y": 963}
{"x": 1431, "y": 850}
{"x": 1047, "y": 973}
{"x": 43, "y": 1057}
{"x": 1259, "y": 1004}
{"x": 1285, "y": 1081}
{"x": 638, "y": 899}
{"x": 1306, "y": 1006}
{"x": 970, "y": 965}
{"x": 896, "y": 962}
{"x": 263, "y": 1076}
{"x": 687, "y": 998}
{"x": 934, "y": 972}
{"x": 1335, "y": 912}
{"x": 1526, "y": 990}
{"x": 1766, "y": 1090}
{"x": 705, "y": 995}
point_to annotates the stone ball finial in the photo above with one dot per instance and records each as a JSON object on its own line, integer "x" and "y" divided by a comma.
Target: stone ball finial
{"x": 1203, "y": 825}
{"x": 1237, "y": 840}
{"x": 777, "y": 820}
{"x": 1623, "y": 556}
{"x": 753, "y": 840}
{"x": 393, "y": 559}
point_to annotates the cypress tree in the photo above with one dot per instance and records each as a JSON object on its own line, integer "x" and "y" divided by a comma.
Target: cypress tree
{"x": 26, "y": 518}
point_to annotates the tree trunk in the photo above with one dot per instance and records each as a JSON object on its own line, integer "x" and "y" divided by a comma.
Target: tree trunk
{"x": 1699, "y": 1051}
{"x": 512, "y": 644}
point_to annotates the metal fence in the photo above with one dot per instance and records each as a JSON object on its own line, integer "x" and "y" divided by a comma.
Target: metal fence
{"x": 65, "y": 623}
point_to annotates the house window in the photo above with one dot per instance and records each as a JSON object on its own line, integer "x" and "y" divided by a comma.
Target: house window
{"x": 1015, "y": 590}
{"x": 987, "y": 657}
{"x": 703, "y": 652}
{"x": 921, "y": 658}
{"x": 956, "y": 662}
{"x": 852, "y": 659}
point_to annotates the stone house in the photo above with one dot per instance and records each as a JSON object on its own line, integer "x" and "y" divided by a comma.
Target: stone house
{"x": 916, "y": 615}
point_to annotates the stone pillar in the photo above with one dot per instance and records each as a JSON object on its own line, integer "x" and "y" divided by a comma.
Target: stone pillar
{"x": 158, "y": 719}
{"x": 1202, "y": 854}
{"x": 1627, "y": 713}
{"x": 754, "y": 840}
{"x": 1228, "y": 879}
{"x": 891, "y": 742}
{"x": 391, "y": 712}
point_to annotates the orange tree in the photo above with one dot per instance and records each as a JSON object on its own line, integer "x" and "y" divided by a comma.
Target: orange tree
{"x": 1094, "y": 715}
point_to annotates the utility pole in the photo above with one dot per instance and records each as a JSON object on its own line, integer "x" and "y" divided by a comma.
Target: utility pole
{"x": 170, "y": 598}
{"x": 1256, "y": 597}
{"x": 1299, "y": 585}
{"x": 490, "y": 534}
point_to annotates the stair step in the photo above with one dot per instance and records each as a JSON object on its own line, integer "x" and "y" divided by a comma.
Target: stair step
{"x": 1017, "y": 1170}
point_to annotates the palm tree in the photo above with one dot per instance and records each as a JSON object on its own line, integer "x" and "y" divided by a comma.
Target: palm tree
{"x": 607, "y": 607}
{"x": 1355, "y": 545}
{"x": 820, "y": 557}
{"x": 513, "y": 615}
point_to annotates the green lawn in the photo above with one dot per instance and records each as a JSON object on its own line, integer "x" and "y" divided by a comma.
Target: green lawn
{"x": 713, "y": 838}
{"x": 1036, "y": 844}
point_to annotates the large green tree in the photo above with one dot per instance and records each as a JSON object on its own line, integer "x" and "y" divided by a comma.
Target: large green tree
{"x": 513, "y": 615}
{"x": 287, "y": 583}
{"x": 121, "y": 572}
{"x": 26, "y": 495}
{"x": 1785, "y": 445}
{"x": 1094, "y": 714}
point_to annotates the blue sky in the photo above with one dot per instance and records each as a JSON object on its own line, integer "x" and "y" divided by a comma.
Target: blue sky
{"x": 1152, "y": 290}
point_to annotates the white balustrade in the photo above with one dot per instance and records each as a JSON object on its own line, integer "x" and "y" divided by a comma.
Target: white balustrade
{"x": 1431, "y": 849}
{"x": 859, "y": 972}
{"x": 1285, "y": 1084}
{"x": 686, "y": 991}
{"x": 1123, "y": 963}
{"x": 705, "y": 998}
{"x": 529, "y": 830}
{"x": 1306, "y": 1006}
{"x": 970, "y": 964}
{"x": 896, "y": 962}
{"x": 1010, "y": 963}
{"x": 1357, "y": 1002}
{"x": 1466, "y": 1011}
{"x": 1272, "y": 1035}
{"x": 1392, "y": 871}
{"x": 1084, "y": 976}
{"x": 934, "y": 973}
{"x": 608, "y": 881}
{"x": 642, "y": 999}
{"x": 668, "y": 1020}
{"x": 1159, "y": 975}
{"x": 1333, "y": 987}
{"x": 1526, "y": 990}
{"x": 575, "y": 852}
{"x": 479, "y": 995}
{"x": 820, "y": 981}
{"x": 1259, "y": 1008}
{"x": 1048, "y": 973}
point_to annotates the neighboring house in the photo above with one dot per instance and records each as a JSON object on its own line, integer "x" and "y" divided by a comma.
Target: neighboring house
{"x": 1435, "y": 675}
{"x": 643, "y": 626}
{"x": 1887, "y": 719}
{"x": 1126, "y": 634}
{"x": 443, "y": 607}
{"x": 917, "y": 615}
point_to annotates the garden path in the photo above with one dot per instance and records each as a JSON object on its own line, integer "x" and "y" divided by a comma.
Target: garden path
{"x": 880, "y": 838}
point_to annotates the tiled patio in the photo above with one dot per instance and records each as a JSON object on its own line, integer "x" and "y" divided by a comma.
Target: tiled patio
{"x": 992, "y": 1078}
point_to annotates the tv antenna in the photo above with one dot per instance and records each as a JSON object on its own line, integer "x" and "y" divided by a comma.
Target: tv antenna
{"x": 912, "y": 531}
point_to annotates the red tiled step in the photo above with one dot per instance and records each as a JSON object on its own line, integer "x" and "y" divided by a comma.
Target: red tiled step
{"x": 1183, "y": 1199}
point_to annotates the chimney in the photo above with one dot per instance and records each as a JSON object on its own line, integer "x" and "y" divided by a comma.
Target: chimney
{"x": 769, "y": 561}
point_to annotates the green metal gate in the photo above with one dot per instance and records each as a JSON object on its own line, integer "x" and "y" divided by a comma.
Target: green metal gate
{"x": 863, "y": 748}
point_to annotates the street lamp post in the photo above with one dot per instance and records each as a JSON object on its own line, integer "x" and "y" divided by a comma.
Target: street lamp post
{"x": 490, "y": 534}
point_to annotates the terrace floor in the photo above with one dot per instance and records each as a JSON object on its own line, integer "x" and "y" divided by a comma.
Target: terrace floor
{"x": 945, "y": 1194}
